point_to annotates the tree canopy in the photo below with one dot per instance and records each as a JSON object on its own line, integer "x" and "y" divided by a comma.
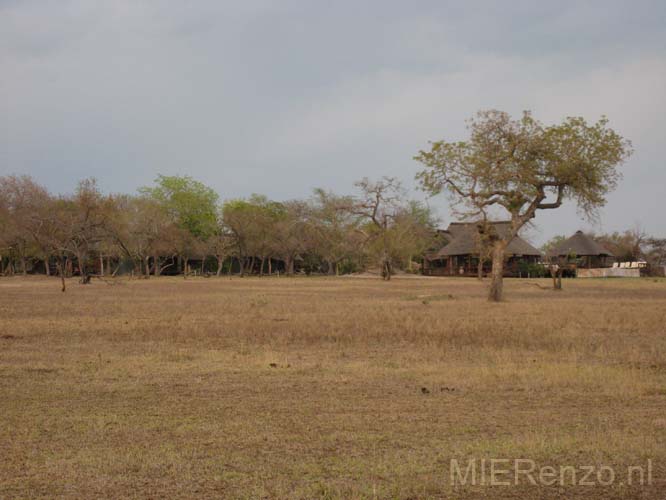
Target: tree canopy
{"x": 192, "y": 204}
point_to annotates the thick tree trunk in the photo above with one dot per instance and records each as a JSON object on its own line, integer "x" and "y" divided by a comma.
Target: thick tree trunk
{"x": 241, "y": 264}
{"x": 47, "y": 270}
{"x": 289, "y": 266}
{"x": 220, "y": 264}
{"x": 156, "y": 261}
{"x": 101, "y": 266}
{"x": 497, "y": 274}
{"x": 270, "y": 266}
{"x": 337, "y": 269}
{"x": 261, "y": 268}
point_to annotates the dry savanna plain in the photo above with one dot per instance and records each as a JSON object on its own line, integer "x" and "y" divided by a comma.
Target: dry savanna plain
{"x": 331, "y": 388}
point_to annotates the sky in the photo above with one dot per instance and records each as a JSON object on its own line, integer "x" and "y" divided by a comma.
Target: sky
{"x": 280, "y": 97}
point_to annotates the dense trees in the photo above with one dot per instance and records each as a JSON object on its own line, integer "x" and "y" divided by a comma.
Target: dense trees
{"x": 178, "y": 221}
{"x": 520, "y": 167}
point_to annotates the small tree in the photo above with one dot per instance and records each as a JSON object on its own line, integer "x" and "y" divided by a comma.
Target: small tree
{"x": 557, "y": 263}
{"x": 379, "y": 205}
{"x": 523, "y": 166}
{"x": 291, "y": 233}
{"x": 334, "y": 229}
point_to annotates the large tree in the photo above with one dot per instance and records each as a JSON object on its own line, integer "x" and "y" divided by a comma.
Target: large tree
{"x": 190, "y": 203}
{"x": 522, "y": 166}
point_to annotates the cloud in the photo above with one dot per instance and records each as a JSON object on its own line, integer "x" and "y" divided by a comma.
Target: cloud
{"x": 282, "y": 97}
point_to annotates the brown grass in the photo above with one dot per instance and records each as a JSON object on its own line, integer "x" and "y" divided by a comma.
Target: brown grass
{"x": 324, "y": 387}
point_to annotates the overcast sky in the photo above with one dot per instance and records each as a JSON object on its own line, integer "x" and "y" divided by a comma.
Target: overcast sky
{"x": 278, "y": 97}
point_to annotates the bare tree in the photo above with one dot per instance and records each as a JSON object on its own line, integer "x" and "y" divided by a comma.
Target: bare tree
{"x": 379, "y": 205}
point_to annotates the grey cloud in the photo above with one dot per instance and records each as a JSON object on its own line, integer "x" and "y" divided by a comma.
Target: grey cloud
{"x": 280, "y": 97}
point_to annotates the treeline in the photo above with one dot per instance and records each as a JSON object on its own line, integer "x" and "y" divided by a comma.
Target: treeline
{"x": 179, "y": 225}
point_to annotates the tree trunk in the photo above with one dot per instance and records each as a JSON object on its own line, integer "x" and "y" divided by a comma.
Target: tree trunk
{"x": 497, "y": 274}
{"x": 220, "y": 264}
{"x": 289, "y": 266}
{"x": 386, "y": 270}
{"x": 61, "y": 270}
{"x": 479, "y": 271}
{"x": 24, "y": 266}
{"x": 556, "y": 274}
{"x": 203, "y": 265}
{"x": 47, "y": 270}
{"x": 156, "y": 262}
{"x": 84, "y": 279}
{"x": 101, "y": 265}
{"x": 337, "y": 268}
{"x": 270, "y": 267}
{"x": 241, "y": 264}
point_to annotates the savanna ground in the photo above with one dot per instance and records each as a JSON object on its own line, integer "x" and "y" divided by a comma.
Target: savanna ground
{"x": 325, "y": 387}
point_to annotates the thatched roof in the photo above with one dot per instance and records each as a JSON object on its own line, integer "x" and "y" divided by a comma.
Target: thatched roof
{"x": 579, "y": 244}
{"x": 464, "y": 241}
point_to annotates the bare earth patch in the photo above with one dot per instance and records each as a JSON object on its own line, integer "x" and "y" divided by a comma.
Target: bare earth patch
{"x": 326, "y": 388}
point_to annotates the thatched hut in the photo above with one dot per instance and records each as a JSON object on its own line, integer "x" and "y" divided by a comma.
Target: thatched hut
{"x": 460, "y": 255}
{"x": 582, "y": 251}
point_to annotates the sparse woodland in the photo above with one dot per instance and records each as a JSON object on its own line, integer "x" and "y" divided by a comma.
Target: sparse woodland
{"x": 180, "y": 226}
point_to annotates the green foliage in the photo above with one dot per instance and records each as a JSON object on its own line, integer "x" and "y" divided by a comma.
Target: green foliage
{"x": 532, "y": 270}
{"x": 520, "y": 164}
{"x": 191, "y": 204}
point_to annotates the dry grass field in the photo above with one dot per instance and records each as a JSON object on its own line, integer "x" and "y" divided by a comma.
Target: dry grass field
{"x": 325, "y": 387}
